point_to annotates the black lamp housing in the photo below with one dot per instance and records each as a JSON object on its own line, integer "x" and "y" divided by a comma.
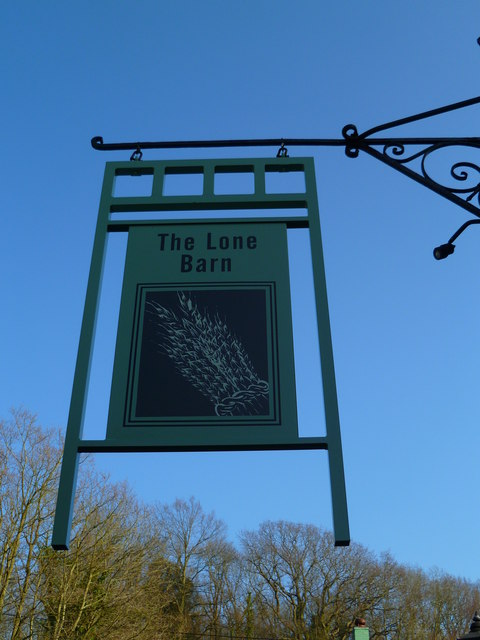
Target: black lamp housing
{"x": 443, "y": 251}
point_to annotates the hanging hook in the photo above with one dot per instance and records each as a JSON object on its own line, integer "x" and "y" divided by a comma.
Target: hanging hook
{"x": 137, "y": 154}
{"x": 283, "y": 151}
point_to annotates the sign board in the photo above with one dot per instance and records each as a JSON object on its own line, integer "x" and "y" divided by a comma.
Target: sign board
{"x": 204, "y": 357}
{"x": 204, "y": 345}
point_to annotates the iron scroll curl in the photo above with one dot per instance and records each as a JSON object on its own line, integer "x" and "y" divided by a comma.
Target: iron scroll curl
{"x": 460, "y": 171}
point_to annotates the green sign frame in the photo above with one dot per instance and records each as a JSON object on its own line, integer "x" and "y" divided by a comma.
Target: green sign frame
{"x": 183, "y": 269}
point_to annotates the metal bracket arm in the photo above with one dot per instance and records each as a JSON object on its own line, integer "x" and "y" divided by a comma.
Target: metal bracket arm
{"x": 391, "y": 151}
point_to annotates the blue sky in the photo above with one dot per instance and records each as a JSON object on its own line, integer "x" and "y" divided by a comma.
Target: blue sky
{"x": 404, "y": 326}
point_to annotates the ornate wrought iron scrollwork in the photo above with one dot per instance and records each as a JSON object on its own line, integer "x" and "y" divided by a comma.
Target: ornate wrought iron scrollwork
{"x": 464, "y": 171}
{"x": 392, "y": 151}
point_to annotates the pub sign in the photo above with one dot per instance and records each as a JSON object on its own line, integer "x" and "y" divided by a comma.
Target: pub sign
{"x": 204, "y": 345}
{"x": 204, "y": 357}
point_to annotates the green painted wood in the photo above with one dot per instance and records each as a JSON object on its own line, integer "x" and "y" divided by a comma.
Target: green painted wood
{"x": 68, "y": 474}
{"x": 250, "y": 276}
{"x": 207, "y": 435}
{"x": 332, "y": 419}
{"x": 113, "y": 446}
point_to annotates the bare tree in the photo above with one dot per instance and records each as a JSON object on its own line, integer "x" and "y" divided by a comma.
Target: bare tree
{"x": 308, "y": 588}
{"x": 93, "y": 589}
{"x": 29, "y": 465}
{"x": 283, "y": 564}
{"x": 189, "y": 537}
{"x": 166, "y": 571}
{"x": 216, "y": 589}
{"x": 450, "y": 603}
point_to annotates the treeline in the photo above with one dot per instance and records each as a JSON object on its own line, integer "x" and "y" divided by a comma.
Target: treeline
{"x": 170, "y": 572}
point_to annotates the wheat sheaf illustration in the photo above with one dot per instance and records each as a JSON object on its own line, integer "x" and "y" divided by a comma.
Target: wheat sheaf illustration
{"x": 210, "y": 357}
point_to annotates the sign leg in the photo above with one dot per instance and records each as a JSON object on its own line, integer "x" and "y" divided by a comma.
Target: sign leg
{"x": 66, "y": 493}
{"x": 341, "y": 529}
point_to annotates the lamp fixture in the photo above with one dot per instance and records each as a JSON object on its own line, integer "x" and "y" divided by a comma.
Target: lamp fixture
{"x": 445, "y": 250}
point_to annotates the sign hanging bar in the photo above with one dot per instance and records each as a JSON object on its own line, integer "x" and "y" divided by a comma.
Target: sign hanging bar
{"x": 351, "y": 137}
